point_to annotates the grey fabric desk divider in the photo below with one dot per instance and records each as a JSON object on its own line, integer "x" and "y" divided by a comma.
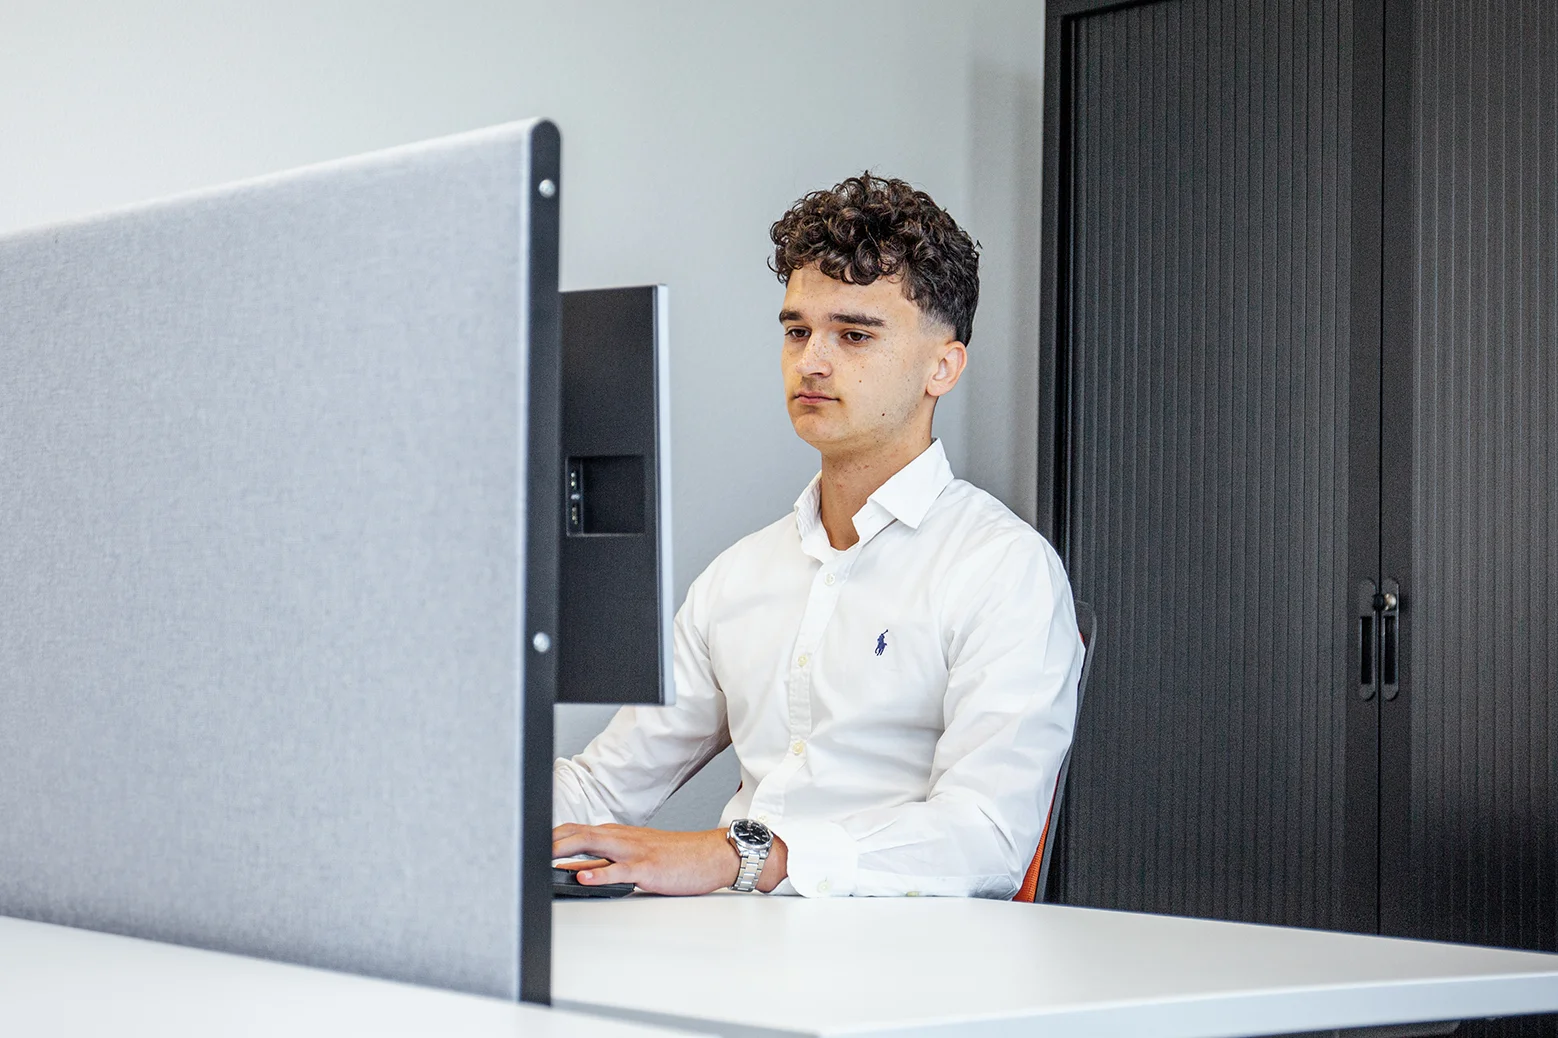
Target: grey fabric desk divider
{"x": 280, "y": 501}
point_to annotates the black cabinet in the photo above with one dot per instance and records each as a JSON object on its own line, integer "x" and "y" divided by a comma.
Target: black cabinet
{"x": 1301, "y": 364}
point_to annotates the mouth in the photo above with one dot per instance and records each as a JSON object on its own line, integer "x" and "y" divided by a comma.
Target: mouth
{"x": 813, "y": 398}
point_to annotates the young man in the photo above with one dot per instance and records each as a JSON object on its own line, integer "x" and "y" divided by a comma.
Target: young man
{"x": 896, "y": 662}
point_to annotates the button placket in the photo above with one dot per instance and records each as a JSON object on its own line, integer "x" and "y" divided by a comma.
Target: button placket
{"x": 820, "y": 606}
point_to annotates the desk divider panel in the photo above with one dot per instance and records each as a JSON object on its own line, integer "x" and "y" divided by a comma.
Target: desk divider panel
{"x": 279, "y": 506}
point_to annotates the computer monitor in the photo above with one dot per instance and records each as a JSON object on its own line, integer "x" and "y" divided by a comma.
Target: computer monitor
{"x": 280, "y": 513}
{"x": 616, "y": 608}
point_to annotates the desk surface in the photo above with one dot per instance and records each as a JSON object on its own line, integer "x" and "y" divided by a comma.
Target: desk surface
{"x": 770, "y": 966}
{"x": 58, "y": 981}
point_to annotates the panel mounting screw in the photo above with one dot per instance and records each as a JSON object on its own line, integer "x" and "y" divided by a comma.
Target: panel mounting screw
{"x": 547, "y": 188}
{"x": 541, "y": 642}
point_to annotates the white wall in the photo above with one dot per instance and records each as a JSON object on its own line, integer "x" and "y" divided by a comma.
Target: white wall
{"x": 687, "y": 129}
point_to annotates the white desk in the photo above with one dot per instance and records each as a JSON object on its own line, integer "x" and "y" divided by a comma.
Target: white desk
{"x": 764, "y": 966}
{"x": 57, "y": 981}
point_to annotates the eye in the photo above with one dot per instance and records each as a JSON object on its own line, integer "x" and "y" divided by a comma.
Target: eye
{"x": 797, "y": 333}
{"x": 856, "y": 337}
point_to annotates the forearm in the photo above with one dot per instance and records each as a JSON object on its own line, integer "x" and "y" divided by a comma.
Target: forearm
{"x": 640, "y": 759}
{"x": 662, "y": 862}
{"x": 945, "y": 848}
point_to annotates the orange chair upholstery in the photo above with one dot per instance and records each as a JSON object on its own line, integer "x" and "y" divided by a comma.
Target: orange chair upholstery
{"x": 1037, "y": 877}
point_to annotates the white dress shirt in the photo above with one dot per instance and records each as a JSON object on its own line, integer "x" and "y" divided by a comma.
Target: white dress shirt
{"x": 899, "y": 709}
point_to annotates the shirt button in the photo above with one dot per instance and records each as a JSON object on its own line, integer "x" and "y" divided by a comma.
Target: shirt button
{"x": 823, "y": 887}
{"x": 828, "y": 580}
{"x": 803, "y": 661}
{"x": 798, "y": 747}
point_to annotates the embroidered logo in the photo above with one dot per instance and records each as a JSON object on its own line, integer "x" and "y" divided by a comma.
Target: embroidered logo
{"x": 881, "y": 643}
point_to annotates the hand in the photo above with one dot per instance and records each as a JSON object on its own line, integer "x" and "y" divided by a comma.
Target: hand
{"x": 658, "y": 861}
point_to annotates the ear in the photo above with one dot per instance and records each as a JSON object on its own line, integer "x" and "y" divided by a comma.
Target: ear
{"x": 949, "y": 368}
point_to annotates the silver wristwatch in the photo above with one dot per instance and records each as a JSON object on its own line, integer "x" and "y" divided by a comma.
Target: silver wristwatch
{"x": 752, "y": 841}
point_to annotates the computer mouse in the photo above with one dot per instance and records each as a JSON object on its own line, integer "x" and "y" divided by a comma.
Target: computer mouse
{"x": 565, "y": 883}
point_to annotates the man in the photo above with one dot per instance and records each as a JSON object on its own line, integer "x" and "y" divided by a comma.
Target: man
{"x": 896, "y": 662}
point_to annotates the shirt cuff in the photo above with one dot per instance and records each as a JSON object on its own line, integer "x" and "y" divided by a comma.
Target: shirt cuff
{"x": 822, "y": 858}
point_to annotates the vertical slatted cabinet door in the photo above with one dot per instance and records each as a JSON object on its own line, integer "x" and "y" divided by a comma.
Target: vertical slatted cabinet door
{"x": 1206, "y": 345}
{"x": 1477, "y": 855}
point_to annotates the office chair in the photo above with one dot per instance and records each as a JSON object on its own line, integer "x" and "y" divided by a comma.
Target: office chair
{"x": 1033, "y": 884}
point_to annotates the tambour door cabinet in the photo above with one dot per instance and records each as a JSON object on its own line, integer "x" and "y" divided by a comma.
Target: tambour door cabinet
{"x": 1300, "y": 355}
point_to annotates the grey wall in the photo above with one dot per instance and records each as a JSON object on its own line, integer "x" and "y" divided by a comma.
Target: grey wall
{"x": 687, "y": 129}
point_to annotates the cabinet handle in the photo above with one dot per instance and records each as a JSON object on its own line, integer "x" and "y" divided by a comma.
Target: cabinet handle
{"x": 1366, "y": 656}
{"x": 1390, "y": 640}
{"x": 1368, "y": 593}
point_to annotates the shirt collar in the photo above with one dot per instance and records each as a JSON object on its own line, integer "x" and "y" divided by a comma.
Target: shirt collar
{"x": 911, "y": 491}
{"x": 906, "y": 496}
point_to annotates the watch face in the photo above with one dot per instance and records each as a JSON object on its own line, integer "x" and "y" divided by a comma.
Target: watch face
{"x": 747, "y": 831}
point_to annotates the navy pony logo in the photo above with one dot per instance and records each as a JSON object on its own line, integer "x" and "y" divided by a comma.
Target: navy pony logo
{"x": 881, "y": 643}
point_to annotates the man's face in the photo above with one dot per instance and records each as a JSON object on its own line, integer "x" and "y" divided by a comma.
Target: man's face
{"x": 862, "y": 365}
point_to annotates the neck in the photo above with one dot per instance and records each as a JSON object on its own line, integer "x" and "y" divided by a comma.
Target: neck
{"x": 849, "y": 479}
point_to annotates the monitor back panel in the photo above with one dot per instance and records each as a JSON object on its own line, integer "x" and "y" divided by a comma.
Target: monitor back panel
{"x": 615, "y": 617}
{"x": 263, "y": 495}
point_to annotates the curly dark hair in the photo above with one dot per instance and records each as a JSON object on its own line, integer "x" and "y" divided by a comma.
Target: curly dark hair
{"x": 871, "y": 227}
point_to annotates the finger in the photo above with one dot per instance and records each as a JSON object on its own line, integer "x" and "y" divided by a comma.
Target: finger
{"x": 570, "y": 831}
{"x": 617, "y": 872}
{"x": 589, "y": 841}
{"x": 575, "y": 866}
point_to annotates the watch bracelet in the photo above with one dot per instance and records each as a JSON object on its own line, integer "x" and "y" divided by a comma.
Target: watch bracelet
{"x": 751, "y": 868}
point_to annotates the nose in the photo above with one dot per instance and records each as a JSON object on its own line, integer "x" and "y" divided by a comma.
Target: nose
{"x": 813, "y": 359}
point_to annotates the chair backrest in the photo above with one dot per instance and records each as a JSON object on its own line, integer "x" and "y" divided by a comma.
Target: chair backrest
{"x": 1034, "y": 883}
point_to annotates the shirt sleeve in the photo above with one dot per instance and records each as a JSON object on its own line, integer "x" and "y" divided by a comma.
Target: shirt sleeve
{"x": 1015, "y": 660}
{"x": 646, "y": 753}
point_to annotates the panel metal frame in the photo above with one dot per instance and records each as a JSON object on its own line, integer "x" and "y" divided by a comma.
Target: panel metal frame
{"x": 543, "y": 530}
